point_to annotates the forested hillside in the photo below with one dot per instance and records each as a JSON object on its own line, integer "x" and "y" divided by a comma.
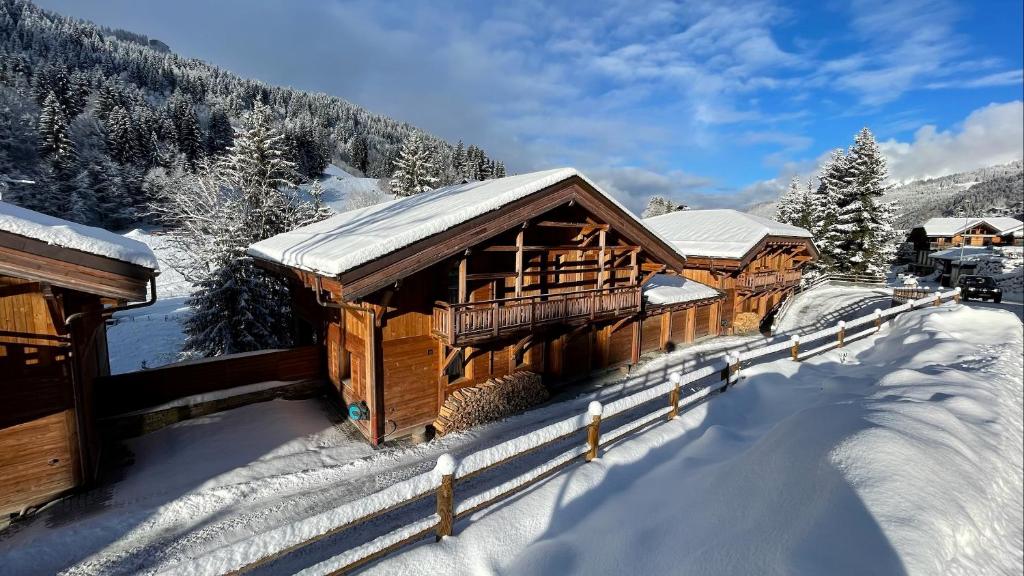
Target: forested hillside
{"x": 990, "y": 191}
{"x": 101, "y": 121}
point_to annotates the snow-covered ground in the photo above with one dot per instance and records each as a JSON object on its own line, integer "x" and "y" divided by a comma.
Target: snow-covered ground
{"x": 342, "y": 189}
{"x": 901, "y": 454}
{"x": 151, "y": 336}
{"x": 204, "y": 483}
{"x": 825, "y": 305}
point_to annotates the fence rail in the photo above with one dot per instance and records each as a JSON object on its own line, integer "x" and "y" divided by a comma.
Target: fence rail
{"x": 680, "y": 391}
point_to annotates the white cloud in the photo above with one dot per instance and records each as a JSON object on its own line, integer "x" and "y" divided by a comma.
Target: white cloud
{"x": 990, "y": 135}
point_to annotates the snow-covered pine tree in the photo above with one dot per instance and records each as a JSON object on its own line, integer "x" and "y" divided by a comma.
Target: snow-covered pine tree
{"x": 53, "y": 133}
{"x": 790, "y": 204}
{"x": 864, "y": 227}
{"x": 499, "y": 170}
{"x": 414, "y": 169}
{"x": 659, "y": 205}
{"x": 359, "y": 153}
{"x": 824, "y": 210}
{"x": 220, "y": 135}
{"x": 218, "y": 214}
{"x": 459, "y": 162}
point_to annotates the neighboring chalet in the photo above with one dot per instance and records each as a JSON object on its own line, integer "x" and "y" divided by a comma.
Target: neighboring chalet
{"x": 417, "y": 297}
{"x": 940, "y": 234}
{"x": 754, "y": 261}
{"x": 57, "y": 281}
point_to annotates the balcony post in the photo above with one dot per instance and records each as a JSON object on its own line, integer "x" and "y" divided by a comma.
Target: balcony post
{"x": 494, "y": 318}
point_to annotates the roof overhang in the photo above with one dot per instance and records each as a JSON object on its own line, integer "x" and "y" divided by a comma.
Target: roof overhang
{"x": 35, "y": 260}
{"x": 732, "y": 264}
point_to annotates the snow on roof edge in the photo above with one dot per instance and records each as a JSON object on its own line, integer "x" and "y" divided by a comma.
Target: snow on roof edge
{"x": 73, "y": 236}
{"x": 335, "y": 245}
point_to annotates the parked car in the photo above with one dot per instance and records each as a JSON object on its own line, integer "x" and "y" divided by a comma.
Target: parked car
{"x": 980, "y": 287}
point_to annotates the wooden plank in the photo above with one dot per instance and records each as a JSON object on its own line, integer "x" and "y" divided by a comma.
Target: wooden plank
{"x": 592, "y": 225}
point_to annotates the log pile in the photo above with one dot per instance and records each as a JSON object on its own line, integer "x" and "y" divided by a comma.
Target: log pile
{"x": 746, "y": 323}
{"x": 492, "y": 400}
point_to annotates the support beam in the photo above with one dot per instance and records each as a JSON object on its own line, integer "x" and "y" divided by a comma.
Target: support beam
{"x": 592, "y": 225}
{"x": 519, "y": 262}
{"x": 463, "y": 265}
{"x": 601, "y": 258}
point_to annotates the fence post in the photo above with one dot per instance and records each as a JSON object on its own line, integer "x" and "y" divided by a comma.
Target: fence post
{"x": 673, "y": 395}
{"x": 594, "y": 429}
{"x": 734, "y": 369}
{"x": 445, "y": 495}
{"x": 794, "y": 350}
{"x": 878, "y": 319}
{"x": 956, "y": 295}
{"x": 938, "y": 298}
{"x": 841, "y": 335}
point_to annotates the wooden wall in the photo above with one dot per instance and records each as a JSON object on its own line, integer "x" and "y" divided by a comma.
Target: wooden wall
{"x": 39, "y": 442}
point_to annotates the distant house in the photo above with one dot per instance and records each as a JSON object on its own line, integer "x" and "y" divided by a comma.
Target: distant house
{"x": 58, "y": 279}
{"x": 423, "y": 295}
{"x": 754, "y": 261}
{"x": 940, "y": 234}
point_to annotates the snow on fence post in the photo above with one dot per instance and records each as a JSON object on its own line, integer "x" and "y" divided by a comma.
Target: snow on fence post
{"x": 878, "y": 318}
{"x": 794, "y": 350}
{"x": 673, "y": 395}
{"x": 445, "y": 495}
{"x": 938, "y": 298}
{"x": 956, "y": 295}
{"x": 594, "y": 429}
{"x": 841, "y": 335}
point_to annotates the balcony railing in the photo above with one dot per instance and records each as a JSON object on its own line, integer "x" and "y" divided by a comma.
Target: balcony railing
{"x": 460, "y": 324}
{"x": 769, "y": 279}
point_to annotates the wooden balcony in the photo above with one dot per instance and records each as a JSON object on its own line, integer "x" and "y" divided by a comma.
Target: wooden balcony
{"x": 462, "y": 324}
{"x": 758, "y": 281}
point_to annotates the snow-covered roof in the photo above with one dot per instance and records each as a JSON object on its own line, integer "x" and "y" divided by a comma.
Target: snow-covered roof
{"x": 952, "y": 226}
{"x": 718, "y": 233}
{"x": 967, "y": 252}
{"x": 66, "y": 234}
{"x": 670, "y": 289}
{"x": 353, "y": 238}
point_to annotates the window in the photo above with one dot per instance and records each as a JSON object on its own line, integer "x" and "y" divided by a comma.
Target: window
{"x": 457, "y": 368}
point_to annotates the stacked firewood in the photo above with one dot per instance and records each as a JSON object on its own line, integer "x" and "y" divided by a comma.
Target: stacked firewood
{"x": 492, "y": 400}
{"x": 746, "y": 323}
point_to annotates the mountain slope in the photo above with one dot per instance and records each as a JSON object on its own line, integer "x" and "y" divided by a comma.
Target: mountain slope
{"x": 994, "y": 190}
{"x": 98, "y": 118}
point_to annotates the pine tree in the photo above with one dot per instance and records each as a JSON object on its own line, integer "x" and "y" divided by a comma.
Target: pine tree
{"x": 659, "y": 205}
{"x": 861, "y": 221}
{"x": 790, "y": 203}
{"x": 221, "y": 135}
{"x": 120, "y": 136}
{"x": 824, "y": 208}
{"x": 499, "y": 170}
{"x": 414, "y": 170}
{"x": 53, "y": 133}
{"x": 459, "y": 161}
{"x": 359, "y": 152}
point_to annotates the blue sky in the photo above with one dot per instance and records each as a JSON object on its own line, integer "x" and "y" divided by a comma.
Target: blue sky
{"x": 715, "y": 103}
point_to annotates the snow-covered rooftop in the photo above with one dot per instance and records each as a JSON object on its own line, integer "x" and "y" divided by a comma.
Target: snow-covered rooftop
{"x": 718, "y": 233}
{"x": 669, "y": 289}
{"x": 352, "y": 238}
{"x": 951, "y": 226}
{"x": 66, "y": 234}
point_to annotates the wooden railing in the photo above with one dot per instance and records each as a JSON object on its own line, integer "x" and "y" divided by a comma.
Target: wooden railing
{"x": 681, "y": 390}
{"x": 901, "y": 295}
{"x": 772, "y": 278}
{"x": 475, "y": 321}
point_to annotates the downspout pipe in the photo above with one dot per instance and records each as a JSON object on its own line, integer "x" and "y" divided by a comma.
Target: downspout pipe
{"x": 87, "y": 477}
{"x": 107, "y": 311}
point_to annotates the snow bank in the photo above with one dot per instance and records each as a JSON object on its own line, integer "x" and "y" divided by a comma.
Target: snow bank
{"x": 66, "y": 234}
{"x": 906, "y": 460}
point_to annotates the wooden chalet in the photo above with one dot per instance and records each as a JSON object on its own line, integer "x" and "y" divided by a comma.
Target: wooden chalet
{"x": 939, "y": 234}
{"x": 57, "y": 280}
{"x": 420, "y": 296}
{"x": 755, "y": 262}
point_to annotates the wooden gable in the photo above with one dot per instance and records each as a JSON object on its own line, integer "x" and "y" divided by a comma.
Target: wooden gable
{"x": 391, "y": 268}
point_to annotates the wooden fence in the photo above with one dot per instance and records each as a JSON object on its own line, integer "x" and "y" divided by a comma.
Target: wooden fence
{"x": 681, "y": 391}
{"x": 122, "y": 393}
